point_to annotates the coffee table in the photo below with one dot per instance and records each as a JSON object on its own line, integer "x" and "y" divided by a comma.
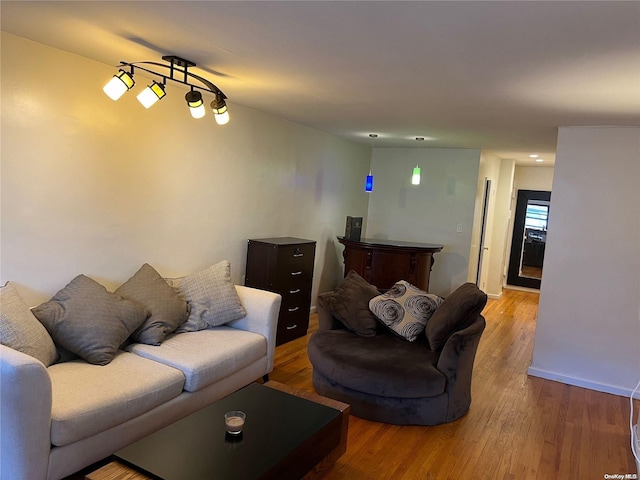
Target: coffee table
{"x": 289, "y": 434}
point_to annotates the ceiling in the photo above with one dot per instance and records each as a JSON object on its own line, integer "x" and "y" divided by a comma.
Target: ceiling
{"x": 498, "y": 76}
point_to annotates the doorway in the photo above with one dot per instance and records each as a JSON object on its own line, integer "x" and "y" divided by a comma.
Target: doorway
{"x": 483, "y": 236}
{"x": 529, "y": 238}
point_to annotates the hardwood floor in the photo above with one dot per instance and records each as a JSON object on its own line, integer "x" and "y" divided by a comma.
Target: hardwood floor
{"x": 518, "y": 427}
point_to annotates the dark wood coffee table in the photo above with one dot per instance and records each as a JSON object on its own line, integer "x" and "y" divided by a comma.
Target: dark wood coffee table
{"x": 289, "y": 434}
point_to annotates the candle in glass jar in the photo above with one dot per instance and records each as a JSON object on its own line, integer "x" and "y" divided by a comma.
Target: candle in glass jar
{"x": 234, "y": 421}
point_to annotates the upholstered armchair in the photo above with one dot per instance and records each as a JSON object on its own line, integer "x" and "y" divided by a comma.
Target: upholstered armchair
{"x": 386, "y": 378}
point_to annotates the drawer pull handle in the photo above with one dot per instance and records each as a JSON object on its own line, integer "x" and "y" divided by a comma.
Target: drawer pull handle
{"x": 293, "y": 309}
{"x": 297, "y": 290}
{"x": 292, "y": 327}
{"x": 298, "y": 255}
{"x": 293, "y": 274}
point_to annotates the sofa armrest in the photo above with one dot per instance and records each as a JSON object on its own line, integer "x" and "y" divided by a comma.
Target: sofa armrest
{"x": 25, "y": 416}
{"x": 262, "y": 309}
{"x": 456, "y": 363}
{"x": 326, "y": 321}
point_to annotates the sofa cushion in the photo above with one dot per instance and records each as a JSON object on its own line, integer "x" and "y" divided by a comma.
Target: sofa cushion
{"x": 457, "y": 311}
{"x": 89, "y": 321}
{"x": 206, "y": 356}
{"x": 405, "y": 309}
{"x": 384, "y": 365}
{"x": 20, "y": 330}
{"x": 211, "y": 296}
{"x": 349, "y": 303}
{"x": 88, "y": 399}
{"x": 167, "y": 309}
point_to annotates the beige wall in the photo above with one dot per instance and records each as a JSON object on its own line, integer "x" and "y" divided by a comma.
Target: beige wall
{"x": 429, "y": 212}
{"x": 501, "y": 174}
{"x": 489, "y": 169}
{"x": 588, "y": 328}
{"x": 99, "y": 187}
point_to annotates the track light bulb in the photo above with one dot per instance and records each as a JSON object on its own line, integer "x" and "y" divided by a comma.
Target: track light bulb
{"x": 219, "y": 107}
{"x": 119, "y": 85}
{"x": 196, "y": 105}
{"x": 151, "y": 94}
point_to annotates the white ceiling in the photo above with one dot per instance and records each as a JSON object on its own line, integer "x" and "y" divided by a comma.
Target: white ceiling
{"x": 498, "y": 76}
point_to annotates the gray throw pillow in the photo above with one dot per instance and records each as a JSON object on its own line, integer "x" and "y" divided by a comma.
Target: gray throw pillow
{"x": 212, "y": 297}
{"x": 89, "y": 321}
{"x": 405, "y": 309}
{"x": 20, "y": 330}
{"x": 349, "y": 303}
{"x": 168, "y": 310}
{"x": 457, "y": 311}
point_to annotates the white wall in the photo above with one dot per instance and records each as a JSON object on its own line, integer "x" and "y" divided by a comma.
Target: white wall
{"x": 99, "y": 187}
{"x": 429, "y": 212}
{"x": 492, "y": 279}
{"x": 588, "y": 328}
{"x": 489, "y": 169}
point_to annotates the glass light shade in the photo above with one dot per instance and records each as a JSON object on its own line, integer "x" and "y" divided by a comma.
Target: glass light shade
{"x": 220, "y": 111}
{"x": 196, "y": 105}
{"x": 198, "y": 112}
{"x": 151, "y": 94}
{"x": 222, "y": 118}
{"x": 415, "y": 178}
{"x": 118, "y": 85}
{"x": 368, "y": 184}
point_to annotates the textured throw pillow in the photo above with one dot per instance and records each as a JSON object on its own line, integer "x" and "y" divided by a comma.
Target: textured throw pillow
{"x": 349, "y": 303}
{"x": 458, "y": 309}
{"x": 89, "y": 321}
{"x": 20, "y": 330}
{"x": 211, "y": 296}
{"x": 168, "y": 310}
{"x": 405, "y": 309}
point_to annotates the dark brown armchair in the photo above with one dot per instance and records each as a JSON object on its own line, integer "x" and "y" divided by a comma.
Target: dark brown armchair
{"x": 388, "y": 379}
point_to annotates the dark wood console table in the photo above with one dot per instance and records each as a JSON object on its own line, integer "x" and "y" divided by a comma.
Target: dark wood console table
{"x": 384, "y": 262}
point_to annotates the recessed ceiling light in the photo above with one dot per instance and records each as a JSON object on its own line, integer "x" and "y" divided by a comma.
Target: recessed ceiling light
{"x": 533, "y": 155}
{"x": 539, "y": 160}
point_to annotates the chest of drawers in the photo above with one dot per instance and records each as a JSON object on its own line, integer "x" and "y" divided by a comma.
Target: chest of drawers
{"x": 284, "y": 265}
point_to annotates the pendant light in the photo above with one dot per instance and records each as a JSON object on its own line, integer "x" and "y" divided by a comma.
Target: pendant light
{"x": 415, "y": 177}
{"x": 368, "y": 184}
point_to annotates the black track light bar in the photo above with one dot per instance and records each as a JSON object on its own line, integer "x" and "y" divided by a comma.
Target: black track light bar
{"x": 178, "y": 67}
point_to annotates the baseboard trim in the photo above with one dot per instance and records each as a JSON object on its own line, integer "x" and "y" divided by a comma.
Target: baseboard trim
{"x": 522, "y": 289}
{"x": 579, "y": 382}
{"x": 494, "y": 296}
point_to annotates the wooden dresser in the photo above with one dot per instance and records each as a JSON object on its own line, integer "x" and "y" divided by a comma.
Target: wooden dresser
{"x": 384, "y": 262}
{"x": 284, "y": 265}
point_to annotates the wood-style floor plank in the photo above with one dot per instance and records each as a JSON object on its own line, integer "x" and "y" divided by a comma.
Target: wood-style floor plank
{"x": 518, "y": 427}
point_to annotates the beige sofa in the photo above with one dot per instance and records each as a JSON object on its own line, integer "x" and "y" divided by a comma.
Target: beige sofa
{"x": 55, "y": 421}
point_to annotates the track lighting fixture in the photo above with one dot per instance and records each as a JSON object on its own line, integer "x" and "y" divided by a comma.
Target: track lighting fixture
{"x": 178, "y": 71}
